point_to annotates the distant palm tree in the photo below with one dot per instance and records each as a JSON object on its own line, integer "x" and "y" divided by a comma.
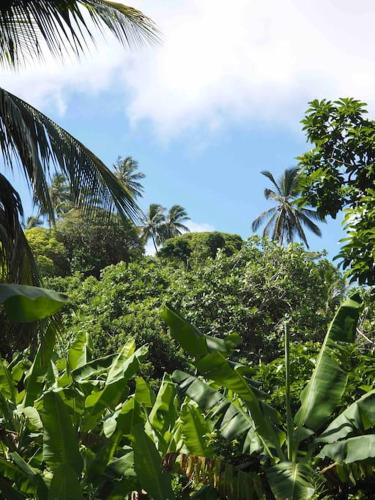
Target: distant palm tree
{"x": 33, "y": 221}
{"x": 153, "y": 224}
{"x": 126, "y": 171}
{"x": 285, "y": 221}
{"x": 174, "y": 222}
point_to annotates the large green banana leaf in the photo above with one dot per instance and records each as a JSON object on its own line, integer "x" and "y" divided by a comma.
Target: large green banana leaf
{"x": 195, "y": 429}
{"x": 7, "y": 387}
{"x": 351, "y": 450}
{"x": 291, "y": 481}
{"x": 148, "y": 466}
{"x": 24, "y": 303}
{"x": 65, "y": 485}
{"x": 42, "y": 362}
{"x": 327, "y": 384}
{"x": 230, "y": 418}
{"x": 359, "y": 416}
{"x": 60, "y": 440}
{"x": 77, "y": 355}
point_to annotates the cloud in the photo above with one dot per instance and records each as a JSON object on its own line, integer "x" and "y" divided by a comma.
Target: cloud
{"x": 222, "y": 63}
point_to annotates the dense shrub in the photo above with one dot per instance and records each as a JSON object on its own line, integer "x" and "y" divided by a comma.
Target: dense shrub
{"x": 249, "y": 292}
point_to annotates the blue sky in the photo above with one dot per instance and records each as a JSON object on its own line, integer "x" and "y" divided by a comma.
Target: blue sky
{"x": 215, "y": 103}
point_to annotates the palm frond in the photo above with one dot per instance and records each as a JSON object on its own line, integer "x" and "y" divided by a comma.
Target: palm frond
{"x": 312, "y": 214}
{"x": 262, "y": 218}
{"x": 17, "y": 264}
{"x": 269, "y": 225}
{"x": 309, "y": 223}
{"x": 295, "y": 220}
{"x": 30, "y": 139}
{"x": 288, "y": 182}
{"x": 269, "y": 176}
{"x": 29, "y": 27}
{"x": 269, "y": 193}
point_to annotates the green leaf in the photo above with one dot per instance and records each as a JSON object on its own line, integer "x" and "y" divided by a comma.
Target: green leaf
{"x": 328, "y": 381}
{"x": 77, "y": 355}
{"x": 359, "y": 416}
{"x": 65, "y": 485}
{"x": 24, "y": 303}
{"x": 38, "y": 371}
{"x": 189, "y": 337}
{"x": 143, "y": 392}
{"x": 60, "y": 441}
{"x": 291, "y": 481}
{"x": 194, "y": 430}
{"x": 164, "y": 411}
{"x": 6, "y": 382}
{"x": 148, "y": 466}
{"x": 350, "y": 450}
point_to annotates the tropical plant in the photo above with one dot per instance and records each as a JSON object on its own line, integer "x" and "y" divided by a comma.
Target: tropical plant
{"x": 174, "y": 222}
{"x": 126, "y": 170}
{"x": 31, "y": 141}
{"x": 153, "y": 224}
{"x": 72, "y": 427}
{"x": 33, "y": 221}
{"x": 287, "y": 453}
{"x": 285, "y": 221}
{"x": 338, "y": 174}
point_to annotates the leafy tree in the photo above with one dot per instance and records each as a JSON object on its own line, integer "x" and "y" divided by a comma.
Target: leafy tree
{"x": 192, "y": 248}
{"x": 92, "y": 244}
{"x": 248, "y": 292}
{"x": 339, "y": 175}
{"x": 126, "y": 170}
{"x": 50, "y": 253}
{"x": 286, "y": 220}
{"x": 31, "y": 141}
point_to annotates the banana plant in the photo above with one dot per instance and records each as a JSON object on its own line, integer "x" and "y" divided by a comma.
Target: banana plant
{"x": 72, "y": 427}
{"x": 289, "y": 452}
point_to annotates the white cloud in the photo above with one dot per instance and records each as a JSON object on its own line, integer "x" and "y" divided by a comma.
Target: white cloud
{"x": 223, "y": 62}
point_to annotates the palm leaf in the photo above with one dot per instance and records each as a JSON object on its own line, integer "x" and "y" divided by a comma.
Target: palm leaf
{"x": 31, "y": 139}
{"x": 288, "y": 182}
{"x": 30, "y": 27}
{"x": 269, "y": 176}
{"x": 261, "y": 218}
{"x": 309, "y": 223}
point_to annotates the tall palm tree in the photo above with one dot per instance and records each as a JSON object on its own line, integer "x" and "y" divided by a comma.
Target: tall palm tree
{"x": 126, "y": 171}
{"x": 285, "y": 221}
{"x": 29, "y": 139}
{"x": 33, "y": 221}
{"x": 153, "y": 225}
{"x": 173, "y": 225}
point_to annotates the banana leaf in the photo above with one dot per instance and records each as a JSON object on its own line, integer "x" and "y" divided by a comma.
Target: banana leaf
{"x": 24, "y": 303}
{"x": 355, "y": 449}
{"x": 148, "y": 466}
{"x": 60, "y": 440}
{"x": 292, "y": 481}
{"x": 65, "y": 485}
{"x": 359, "y": 416}
{"x": 327, "y": 384}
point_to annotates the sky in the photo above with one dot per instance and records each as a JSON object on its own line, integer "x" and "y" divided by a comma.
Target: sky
{"x": 217, "y": 101}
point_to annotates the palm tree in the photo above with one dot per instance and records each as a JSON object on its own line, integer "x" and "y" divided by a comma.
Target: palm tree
{"x": 173, "y": 225}
{"x": 126, "y": 171}
{"x": 153, "y": 225}
{"x": 33, "y": 221}
{"x": 29, "y": 139}
{"x": 285, "y": 221}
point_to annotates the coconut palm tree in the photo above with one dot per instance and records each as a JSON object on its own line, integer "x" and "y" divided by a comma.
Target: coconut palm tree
{"x": 29, "y": 140}
{"x": 126, "y": 171}
{"x": 174, "y": 219}
{"x": 285, "y": 221}
{"x": 153, "y": 225}
{"x": 33, "y": 221}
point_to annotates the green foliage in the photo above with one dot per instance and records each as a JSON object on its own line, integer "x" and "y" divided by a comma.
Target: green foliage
{"x": 50, "y": 253}
{"x": 198, "y": 247}
{"x": 295, "y": 477}
{"x": 339, "y": 174}
{"x": 91, "y": 244}
{"x": 247, "y": 293}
